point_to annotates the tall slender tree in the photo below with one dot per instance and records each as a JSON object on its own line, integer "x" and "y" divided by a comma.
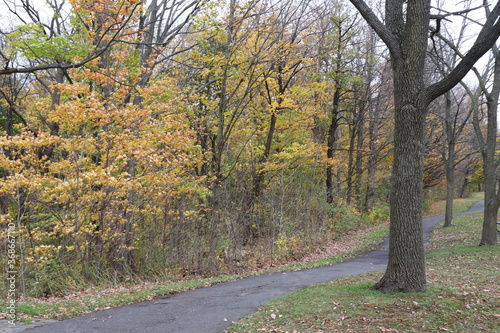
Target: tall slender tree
{"x": 488, "y": 146}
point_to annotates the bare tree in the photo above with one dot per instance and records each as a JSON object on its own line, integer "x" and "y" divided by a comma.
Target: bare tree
{"x": 454, "y": 122}
{"x": 487, "y": 141}
{"x": 457, "y": 113}
{"x": 487, "y": 146}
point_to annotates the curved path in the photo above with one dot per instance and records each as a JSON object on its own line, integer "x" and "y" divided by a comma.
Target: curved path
{"x": 213, "y": 309}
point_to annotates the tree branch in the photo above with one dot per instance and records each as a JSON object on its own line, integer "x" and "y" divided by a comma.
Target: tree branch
{"x": 97, "y": 52}
{"x": 382, "y": 31}
{"x": 484, "y": 42}
{"x": 459, "y": 13}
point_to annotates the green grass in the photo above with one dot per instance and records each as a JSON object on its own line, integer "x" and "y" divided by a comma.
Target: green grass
{"x": 459, "y": 205}
{"x": 463, "y": 295}
{"x": 348, "y": 305}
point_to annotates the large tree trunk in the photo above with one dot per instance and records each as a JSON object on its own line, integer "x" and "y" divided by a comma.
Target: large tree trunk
{"x": 491, "y": 197}
{"x": 491, "y": 192}
{"x": 406, "y": 267}
{"x": 489, "y": 231}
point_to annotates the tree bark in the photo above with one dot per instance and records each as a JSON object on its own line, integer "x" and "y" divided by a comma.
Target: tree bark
{"x": 406, "y": 268}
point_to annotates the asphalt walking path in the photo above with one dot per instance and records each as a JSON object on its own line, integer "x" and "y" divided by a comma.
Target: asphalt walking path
{"x": 213, "y": 309}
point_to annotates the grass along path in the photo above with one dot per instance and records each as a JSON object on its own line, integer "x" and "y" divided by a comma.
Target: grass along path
{"x": 84, "y": 301}
{"x": 459, "y": 205}
{"x": 463, "y": 295}
{"x": 91, "y": 299}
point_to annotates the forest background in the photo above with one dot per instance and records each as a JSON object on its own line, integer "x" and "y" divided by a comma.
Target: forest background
{"x": 173, "y": 138}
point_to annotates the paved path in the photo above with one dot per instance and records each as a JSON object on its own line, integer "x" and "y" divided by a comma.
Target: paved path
{"x": 213, "y": 309}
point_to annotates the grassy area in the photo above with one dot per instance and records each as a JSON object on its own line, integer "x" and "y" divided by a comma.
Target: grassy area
{"x": 459, "y": 205}
{"x": 463, "y": 295}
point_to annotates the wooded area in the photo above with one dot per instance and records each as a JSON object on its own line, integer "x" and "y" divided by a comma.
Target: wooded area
{"x": 148, "y": 139}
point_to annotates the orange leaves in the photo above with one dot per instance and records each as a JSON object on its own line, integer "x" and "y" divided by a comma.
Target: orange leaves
{"x": 116, "y": 155}
{"x": 104, "y": 15}
{"x": 20, "y": 161}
